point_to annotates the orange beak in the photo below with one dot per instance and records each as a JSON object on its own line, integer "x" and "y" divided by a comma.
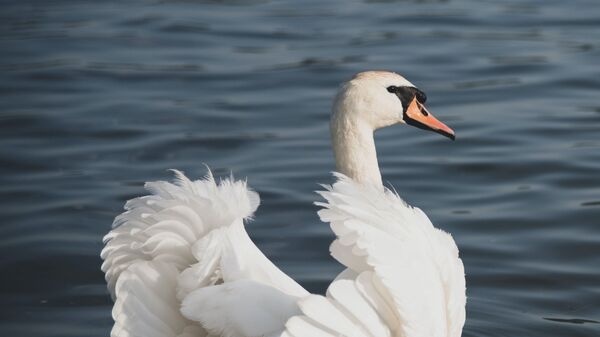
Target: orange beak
{"x": 417, "y": 115}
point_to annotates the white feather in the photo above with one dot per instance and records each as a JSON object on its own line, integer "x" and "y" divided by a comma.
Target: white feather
{"x": 186, "y": 236}
{"x": 345, "y": 293}
{"x": 408, "y": 278}
{"x": 240, "y": 309}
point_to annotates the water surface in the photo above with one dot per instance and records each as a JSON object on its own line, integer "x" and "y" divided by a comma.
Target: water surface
{"x": 97, "y": 97}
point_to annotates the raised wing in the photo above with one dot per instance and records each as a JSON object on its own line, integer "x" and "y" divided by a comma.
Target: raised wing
{"x": 185, "y": 237}
{"x": 404, "y": 276}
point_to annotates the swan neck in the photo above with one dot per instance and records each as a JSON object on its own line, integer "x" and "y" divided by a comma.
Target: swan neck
{"x": 354, "y": 149}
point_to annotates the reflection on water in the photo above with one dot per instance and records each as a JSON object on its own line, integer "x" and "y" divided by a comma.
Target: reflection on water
{"x": 98, "y": 97}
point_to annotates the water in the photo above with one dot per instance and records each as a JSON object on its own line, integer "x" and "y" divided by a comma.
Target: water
{"x": 99, "y": 96}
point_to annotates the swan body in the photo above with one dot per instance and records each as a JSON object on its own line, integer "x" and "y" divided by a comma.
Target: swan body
{"x": 179, "y": 262}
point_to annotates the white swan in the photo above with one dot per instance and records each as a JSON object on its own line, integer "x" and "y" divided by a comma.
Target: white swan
{"x": 180, "y": 263}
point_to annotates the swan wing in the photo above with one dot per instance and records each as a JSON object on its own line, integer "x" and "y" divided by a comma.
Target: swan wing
{"x": 185, "y": 237}
{"x": 241, "y": 308}
{"x": 403, "y": 276}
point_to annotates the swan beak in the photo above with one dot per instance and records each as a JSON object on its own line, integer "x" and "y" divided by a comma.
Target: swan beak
{"x": 417, "y": 115}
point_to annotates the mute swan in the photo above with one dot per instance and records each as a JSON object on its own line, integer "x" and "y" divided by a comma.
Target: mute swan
{"x": 179, "y": 262}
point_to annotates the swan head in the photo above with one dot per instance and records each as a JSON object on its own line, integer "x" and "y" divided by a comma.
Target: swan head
{"x": 382, "y": 98}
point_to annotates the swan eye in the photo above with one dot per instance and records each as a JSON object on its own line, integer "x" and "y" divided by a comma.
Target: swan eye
{"x": 421, "y": 97}
{"x": 392, "y": 89}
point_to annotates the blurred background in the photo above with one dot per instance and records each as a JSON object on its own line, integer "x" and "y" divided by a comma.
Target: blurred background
{"x": 97, "y": 97}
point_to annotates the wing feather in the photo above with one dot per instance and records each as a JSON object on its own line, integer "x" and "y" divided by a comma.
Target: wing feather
{"x": 299, "y": 326}
{"x": 323, "y": 310}
{"x": 168, "y": 244}
{"x": 407, "y": 279}
{"x": 242, "y": 308}
{"x": 346, "y": 293}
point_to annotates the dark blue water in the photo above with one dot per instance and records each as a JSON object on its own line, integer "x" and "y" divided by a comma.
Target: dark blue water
{"x": 97, "y": 97}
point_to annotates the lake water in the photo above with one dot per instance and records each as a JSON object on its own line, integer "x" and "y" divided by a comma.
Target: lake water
{"x": 97, "y": 97}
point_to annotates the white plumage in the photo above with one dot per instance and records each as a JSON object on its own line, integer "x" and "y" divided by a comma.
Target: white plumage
{"x": 179, "y": 262}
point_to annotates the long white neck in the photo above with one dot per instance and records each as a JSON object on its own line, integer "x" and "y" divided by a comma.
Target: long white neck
{"x": 354, "y": 149}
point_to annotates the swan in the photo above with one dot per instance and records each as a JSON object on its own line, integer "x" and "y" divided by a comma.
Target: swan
{"x": 178, "y": 262}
